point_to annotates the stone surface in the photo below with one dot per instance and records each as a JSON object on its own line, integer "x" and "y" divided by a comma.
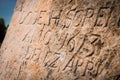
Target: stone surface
{"x": 62, "y": 40}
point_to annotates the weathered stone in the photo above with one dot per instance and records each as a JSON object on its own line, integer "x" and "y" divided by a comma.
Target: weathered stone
{"x": 62, "y": 40}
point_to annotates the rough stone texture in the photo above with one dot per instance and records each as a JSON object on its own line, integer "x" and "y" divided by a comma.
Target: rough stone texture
{"x": 62, "y": 40}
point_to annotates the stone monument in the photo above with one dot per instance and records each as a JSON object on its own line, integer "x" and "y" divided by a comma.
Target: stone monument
{"x": 62, "y": 40}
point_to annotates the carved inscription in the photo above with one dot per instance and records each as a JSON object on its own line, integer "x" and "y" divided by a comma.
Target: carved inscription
{"x": 64, "y": 51}
{"x": 72, "y": 38}
{"x": 73, "y": 18}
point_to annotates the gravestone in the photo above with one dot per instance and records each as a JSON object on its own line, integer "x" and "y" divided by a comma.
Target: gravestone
{"x": 62, "y": 40}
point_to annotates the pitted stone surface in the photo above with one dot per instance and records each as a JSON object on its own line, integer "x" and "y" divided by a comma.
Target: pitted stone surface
{"x": 62, "y": 40}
